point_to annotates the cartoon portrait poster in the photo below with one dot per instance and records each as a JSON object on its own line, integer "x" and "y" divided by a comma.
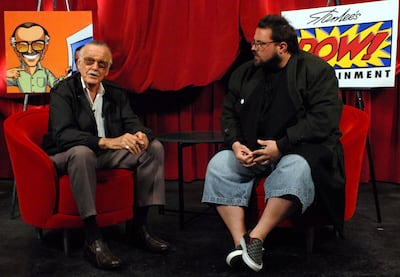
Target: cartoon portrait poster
{"x": 41, "y": 47}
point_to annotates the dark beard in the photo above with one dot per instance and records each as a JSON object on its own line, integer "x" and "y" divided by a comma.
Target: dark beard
{"x": 272, "y": 64}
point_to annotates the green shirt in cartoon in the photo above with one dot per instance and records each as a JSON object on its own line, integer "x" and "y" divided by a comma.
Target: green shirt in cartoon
{"x": 35, "y": 83}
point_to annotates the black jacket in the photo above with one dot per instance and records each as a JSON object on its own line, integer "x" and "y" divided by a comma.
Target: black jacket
{"x": 72, "y": 122}
{"x": 313, "y": 89}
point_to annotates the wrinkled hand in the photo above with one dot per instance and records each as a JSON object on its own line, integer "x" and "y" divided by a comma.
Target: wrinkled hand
{"x": 134, "y": 143}
{"x": 142, "y": 140}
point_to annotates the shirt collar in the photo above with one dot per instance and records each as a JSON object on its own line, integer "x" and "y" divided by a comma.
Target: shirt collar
{"x": 100, "y": 91}
{"x": 38, "y": 66}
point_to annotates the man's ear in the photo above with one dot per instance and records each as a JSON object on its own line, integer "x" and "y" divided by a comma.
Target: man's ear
{"x": 283, "y": 46}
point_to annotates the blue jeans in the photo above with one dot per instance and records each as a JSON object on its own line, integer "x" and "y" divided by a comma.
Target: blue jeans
{"x": 228, "y": 182}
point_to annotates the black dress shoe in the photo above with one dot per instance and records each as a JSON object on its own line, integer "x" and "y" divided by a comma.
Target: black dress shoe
{"x": 98, "y": 254}
{"x": 150, "y": 242}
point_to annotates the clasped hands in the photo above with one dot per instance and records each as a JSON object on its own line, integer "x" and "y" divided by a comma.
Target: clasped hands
{"x": 265, "y": 155}
{"x": 134, "y": 143}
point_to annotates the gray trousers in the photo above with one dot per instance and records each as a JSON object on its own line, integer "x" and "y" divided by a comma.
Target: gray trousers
{"x": 80, "y": 163}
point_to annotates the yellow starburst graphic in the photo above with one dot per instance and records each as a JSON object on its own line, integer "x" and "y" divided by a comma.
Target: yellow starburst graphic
{"x": 363, "y": 45}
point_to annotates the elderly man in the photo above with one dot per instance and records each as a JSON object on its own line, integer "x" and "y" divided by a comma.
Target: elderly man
{"x": 92, "y": 126}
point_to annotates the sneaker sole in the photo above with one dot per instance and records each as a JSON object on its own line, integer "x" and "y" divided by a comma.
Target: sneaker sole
{"x": 246, "y": 258}
{"x": 232, "y": 256}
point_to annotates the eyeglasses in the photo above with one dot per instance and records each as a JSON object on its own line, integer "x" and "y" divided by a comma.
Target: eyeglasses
{"x": 23, "y": 46}
{"x": 260, "y": 44}
{"x": 101, "y": 64}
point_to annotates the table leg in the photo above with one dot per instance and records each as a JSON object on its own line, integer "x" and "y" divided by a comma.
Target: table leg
{"x": 14, "y": 201}
{"x": 180, "y": 186}
{"x": 216, "y": 147}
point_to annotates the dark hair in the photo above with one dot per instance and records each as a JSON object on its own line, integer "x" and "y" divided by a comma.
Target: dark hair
{"x": 281, "y": 31}
{"x": 29, "y": 25}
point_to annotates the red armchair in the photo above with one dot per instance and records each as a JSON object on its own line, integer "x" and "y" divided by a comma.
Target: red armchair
{"x": 45, "y": 199}
{"x": 354, "y": 126}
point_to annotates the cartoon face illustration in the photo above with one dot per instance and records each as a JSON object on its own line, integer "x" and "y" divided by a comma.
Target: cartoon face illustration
{"x": 39, "y": 51}
{"x": 30, "y": 42}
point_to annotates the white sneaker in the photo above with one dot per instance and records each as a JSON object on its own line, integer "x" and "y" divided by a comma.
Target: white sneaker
{"x": 252, "y": 252}
{"x": 234, "y": 258}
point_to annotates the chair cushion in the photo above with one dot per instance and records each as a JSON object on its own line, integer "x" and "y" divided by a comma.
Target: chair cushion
{"x": 114, "y": 192}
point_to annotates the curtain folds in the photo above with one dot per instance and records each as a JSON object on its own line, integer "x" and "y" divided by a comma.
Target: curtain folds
{"x": 175, "y": 57}
{"x": 169, "y": 45}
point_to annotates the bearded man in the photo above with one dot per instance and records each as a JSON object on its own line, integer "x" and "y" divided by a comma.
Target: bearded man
{"x": 280, "y": 118}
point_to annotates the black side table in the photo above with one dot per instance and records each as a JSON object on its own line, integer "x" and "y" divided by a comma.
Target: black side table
{"x": 184, "y": 139}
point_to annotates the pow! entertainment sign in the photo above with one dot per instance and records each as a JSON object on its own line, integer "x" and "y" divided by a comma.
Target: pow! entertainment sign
{"x": 358, "y": 40}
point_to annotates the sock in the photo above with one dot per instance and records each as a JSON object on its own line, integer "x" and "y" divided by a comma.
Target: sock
{"x": 92, "y": 231}
{"x": 140, "y": 217}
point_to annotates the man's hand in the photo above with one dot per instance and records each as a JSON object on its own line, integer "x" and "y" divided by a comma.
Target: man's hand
{"x": 243, "y": 154}
{"x": 143, "y": 141}
{"x": 268, "y": 152}
{"x": 134, "y": 143}
{"x": 14, "y": 72}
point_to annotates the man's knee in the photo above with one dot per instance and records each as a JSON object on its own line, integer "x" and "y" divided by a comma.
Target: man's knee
{"x": 82, "y": 153}
{"x": 156, "y": 148}
{"x": 221, "y": 163}
{"x": 295, "y": 161}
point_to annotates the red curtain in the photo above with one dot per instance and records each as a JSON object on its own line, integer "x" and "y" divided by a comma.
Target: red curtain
{"x": 168, "y": 45}
{"x": 175, "y": 56}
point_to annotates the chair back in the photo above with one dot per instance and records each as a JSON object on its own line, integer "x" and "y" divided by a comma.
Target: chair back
{"x": 34, "y": 174}
{"x": 45, "y": 199}
{"x": 31, "y": 124}
{"x": 354, "y": 125}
